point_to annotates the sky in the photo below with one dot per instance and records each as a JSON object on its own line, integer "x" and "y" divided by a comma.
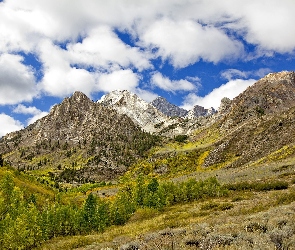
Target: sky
{"x": 192, "y": 52}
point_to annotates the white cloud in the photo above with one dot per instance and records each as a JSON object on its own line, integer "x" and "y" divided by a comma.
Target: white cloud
{"x": 102, "y": 48}
{"x": 118, "y": 80}
{"x": 8, "y": 124}
{"x": 17, "y": 81}
{"x": 186, "y": 42}
{"x": 36, "y": 113}
{"x": 60, "y": 79}
{"x": 268, "y": 24}
{"x": 182, "y": 32}
{"x": 165, "y": 83}
{"x": 146, "y": 95}
{"x": 231, "y": 89}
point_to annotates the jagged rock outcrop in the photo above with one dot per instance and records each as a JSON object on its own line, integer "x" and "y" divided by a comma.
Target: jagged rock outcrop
{"x": 199, "y": 111}
{"x": 84, "y": 137}
{"x": 168, "y": 108}
{"x": 142, "y": 113}
{"x": 225, "y": 106}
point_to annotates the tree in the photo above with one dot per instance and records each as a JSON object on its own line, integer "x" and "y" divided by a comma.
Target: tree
{"x": 89, "y": 218}
{"x": 181, "y": 138}
{"x": 139, "y": 191}
{"x": 1, "y": 161}
{"x": 122, "y": 208}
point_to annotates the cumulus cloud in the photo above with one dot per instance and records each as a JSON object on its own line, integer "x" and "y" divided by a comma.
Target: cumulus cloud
{"x": 120, "y": 79}
{"x": 17, "y": 81}
{"x": 146, "y": 95}
{"x": 186, "y": 42}
{"x": 102, "y": 48}
{"x": 9, "y": 124}
{"x": 165, "y": 83}
{"x": 230, "y": 89}
{"x": 60, "y": 78}
{"x": 33, "y": 111}
{"x": 179, "y": 32}
{"x": 267, "y": 24}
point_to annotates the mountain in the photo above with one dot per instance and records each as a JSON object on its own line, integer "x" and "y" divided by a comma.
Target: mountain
{"x": 273, "y": 94}
{"x": 168, "y": 108}
{"x": 79, "y": 141}
{"x": 260, "y": 123}
{"x": 236, "y": 165}
{"x": 142, "y": 113}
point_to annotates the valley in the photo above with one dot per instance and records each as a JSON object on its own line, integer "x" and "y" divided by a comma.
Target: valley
{"x": 121, "y": 173}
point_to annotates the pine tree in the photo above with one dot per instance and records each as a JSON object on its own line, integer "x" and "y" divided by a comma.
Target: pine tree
{"x": 1, "y": 161}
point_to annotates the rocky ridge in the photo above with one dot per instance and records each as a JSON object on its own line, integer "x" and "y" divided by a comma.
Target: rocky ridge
{"x": 199, "y": 111}
{"x": 141, "y": 112}
{"x": 151, "y": 119}
{"x": 168, "y": 108}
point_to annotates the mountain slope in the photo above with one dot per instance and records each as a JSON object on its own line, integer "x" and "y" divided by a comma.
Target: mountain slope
{"x": 87, "y": 138}
{"x": 261, "y": 123}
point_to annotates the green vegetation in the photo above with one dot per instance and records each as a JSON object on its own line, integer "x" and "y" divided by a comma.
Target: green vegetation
{"x": 181, "y": 138}
{"x": 24, "y": 224}
{"x": 258, "y": 186}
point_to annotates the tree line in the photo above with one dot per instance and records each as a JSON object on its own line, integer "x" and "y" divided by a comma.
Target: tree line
{"x": 25, "y": 224}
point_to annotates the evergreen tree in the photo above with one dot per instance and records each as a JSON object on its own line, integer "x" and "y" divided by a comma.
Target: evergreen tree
{"x": 89, "y": 216}
{"x": 1, "y": 161}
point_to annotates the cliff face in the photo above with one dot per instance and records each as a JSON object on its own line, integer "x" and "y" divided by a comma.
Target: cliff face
{"x": 199, "y": 111}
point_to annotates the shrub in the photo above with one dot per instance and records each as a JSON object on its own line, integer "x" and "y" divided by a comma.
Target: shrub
{"x": 257, "y": 186}
{"x": 286, "y": 198}
{"x": 181, "y": 138}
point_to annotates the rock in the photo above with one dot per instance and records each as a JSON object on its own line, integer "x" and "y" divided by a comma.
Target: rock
{"x": 168, "y": 108}
{"x": 199, "y": 111}
{"x": 142, "y": 113}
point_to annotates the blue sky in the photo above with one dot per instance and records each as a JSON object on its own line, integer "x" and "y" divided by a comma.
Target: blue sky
{"x": 188, "y": 51}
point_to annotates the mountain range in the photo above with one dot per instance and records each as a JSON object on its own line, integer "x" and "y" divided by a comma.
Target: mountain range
{"x": 81, "y": 140}
{"x": 138, "y": 175}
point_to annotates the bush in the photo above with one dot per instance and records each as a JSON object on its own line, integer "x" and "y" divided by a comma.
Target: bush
{"x": 257, "y": 186}
{"x": 181, "y": 138}
{"x": 286, "y": 198}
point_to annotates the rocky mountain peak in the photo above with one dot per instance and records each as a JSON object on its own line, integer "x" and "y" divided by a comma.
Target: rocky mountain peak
{"x": 141, "y": 112}
{"x": 272, "y": 94}
{"x": 168, "y": 108}
{"x": 79, "y": 97}
{"x": 73, "y": 105}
